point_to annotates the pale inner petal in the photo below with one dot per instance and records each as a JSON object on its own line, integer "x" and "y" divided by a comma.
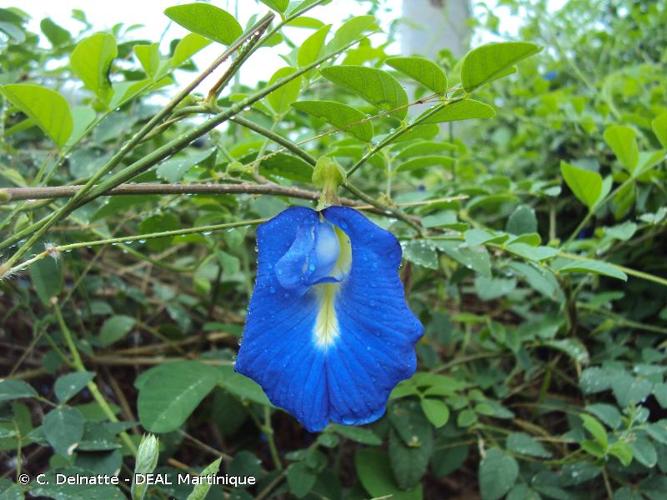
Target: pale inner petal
{"x": 326, "y": 325}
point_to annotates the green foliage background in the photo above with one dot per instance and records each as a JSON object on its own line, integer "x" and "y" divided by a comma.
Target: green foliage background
{"x": 533, "y": 237}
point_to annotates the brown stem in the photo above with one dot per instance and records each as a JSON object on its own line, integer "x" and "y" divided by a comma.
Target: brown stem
{"x": 50, "y": 192}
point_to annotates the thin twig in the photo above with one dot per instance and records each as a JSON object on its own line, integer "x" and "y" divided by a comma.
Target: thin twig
{"x": 51, "y": 192}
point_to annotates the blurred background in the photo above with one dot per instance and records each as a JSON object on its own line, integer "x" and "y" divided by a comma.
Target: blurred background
{"x": 536, "y": 270}
{"x": 422, "y": 26}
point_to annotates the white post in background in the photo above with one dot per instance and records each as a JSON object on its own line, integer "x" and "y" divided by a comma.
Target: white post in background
{"x": 432, "y": 25}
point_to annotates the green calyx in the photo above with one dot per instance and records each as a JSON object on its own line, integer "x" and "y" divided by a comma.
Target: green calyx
{"x": 327, "y": 176}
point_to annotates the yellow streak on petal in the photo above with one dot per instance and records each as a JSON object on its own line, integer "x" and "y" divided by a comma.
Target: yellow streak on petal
{"x": 326, "y": 324}
{"x": 344, "y": 261}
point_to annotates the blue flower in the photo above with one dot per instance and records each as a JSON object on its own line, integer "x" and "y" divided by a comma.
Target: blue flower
{"x": 328, "y": 333}
{"x": 550, "y": 75}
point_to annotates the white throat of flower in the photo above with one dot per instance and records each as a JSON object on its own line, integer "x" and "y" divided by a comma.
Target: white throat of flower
{"x": 327, "y": 329}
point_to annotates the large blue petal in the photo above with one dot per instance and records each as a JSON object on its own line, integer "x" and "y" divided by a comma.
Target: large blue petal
{"x": 343, "y": 367}
{"x": 375, "y": 349}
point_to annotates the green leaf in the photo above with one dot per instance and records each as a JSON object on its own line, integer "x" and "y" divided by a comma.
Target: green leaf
{"x": 409, "y": 463}
{"x": 492, "y": 61}
{"x": 586, "y": 185}
{"x": 654, "y": 488}
{"x": 522, "y": 221}
{"x": 311, "y": 49}
{"x": 357, "y": 434}
{"x": 523, "y": 492}
{"x": 99, "y": 436}
{"x": 622, "y": 451}
{"x": 286, "y": 166}
{"x": 592, "y": 266}
{"x": 5, "y": 434}
{"x": 498, "y": 472}
{"x": 11, "y": 389}
{"x": 170, "y": 392}
{"x": 13, "y": 31}
{"x": 47, "y": 278}
{"x": 493, "y": 288}
{"x": 660, "y": 393}
{"x": 63, "y": 429}
{"x": 448, "y": 460}
{"x": 305, "y": 22}
{"x": 277, "y": 5}
{"x": 531, "y": 239}
{"x": 596, "y": 429}
{"x": 350, "y": 31}
{"x": 422, "y": 70}
{"x": 471, "y": 256}
{"x": 114, "y": 329}
{"x": 466, "y": 109}
{"x": 644, "y": 451}
{"x": 623, "y": 142}
{"x": 659, "y": 126}
{"x": 593, "y": 448}
{"x": 417, "y": 132}
{"x": 629, "y": 390}
{"x": 530, "y": 252}
{"x": 374, "y": 472}
{"x": 68, "y": 386}
{"x": 573, "y": 347}
{"x": 623, "y": 200}
{"x": 149, "y": 57}
{"x": 421, "y": 162}
{"x": 48, "y": 108}
{"x": 377, "y": 87}
{"x": 345, "y": 118}
{"x": 609, "y": 414}
{"x": 658, "y": 431}
{"x": 173, "y": 169}
{"x": 648, "y": 160}
{"x": 436, "y": 411}
{"x": 242, "y": 386}
{"x": 493, "y": 408}
{"x": 91, "y": 61}
{"x": 188, "y": 46}
{"x": 300, "y": 479}
{"x": 594, "y": 380}
{"x": 623, "y": 231}
{"x": 245, "y": 463}
{"x": 207, "y": 20}
{"x": 282, "y": 98}
{"x": 423, "y": 148}
{"x": 421, "y": 252}
{"x": 525, "y": 444}
{"x": 302, "y": 5}
{"x": 57, "y": 35}
{"x": 440, "y": 219}
{"x": 83, "y": 117}
{"x": 538, "y": 278}
{"x": 155, "y": 224}
{"x": 428, "y": 384}
{"x": 124, "y": 92}
{"x": 201, "y": 490}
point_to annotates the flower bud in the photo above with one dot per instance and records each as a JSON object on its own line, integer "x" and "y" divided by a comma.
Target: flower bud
{"x": 147, "y": 456}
